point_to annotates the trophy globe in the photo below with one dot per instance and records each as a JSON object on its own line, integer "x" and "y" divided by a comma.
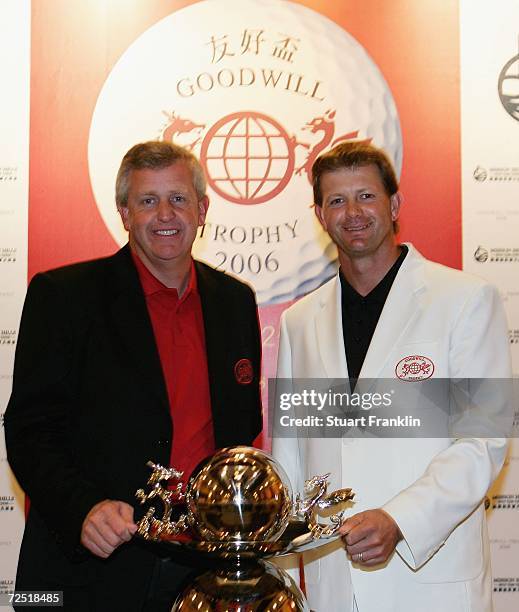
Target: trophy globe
{"x": 238, "y": 511}
{"x": 239, "y": 495}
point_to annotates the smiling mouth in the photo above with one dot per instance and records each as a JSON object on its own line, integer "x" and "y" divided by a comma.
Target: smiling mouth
{"x": 169, "y": 232}
{"x": 357, "y": 228}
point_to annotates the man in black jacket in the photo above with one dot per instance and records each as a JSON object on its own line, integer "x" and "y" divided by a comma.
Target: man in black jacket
{"x": 144, "y": 355}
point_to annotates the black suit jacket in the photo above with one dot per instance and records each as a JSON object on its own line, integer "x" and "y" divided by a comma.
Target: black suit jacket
{"x": 89, "y": 408}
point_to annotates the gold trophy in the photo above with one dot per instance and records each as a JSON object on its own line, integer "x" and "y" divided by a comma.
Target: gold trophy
{"x": 238, "y": 509}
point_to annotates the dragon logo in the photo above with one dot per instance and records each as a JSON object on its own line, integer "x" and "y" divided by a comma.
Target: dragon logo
{"x": 414, "y": 368}
{"x": 249, "y": 157}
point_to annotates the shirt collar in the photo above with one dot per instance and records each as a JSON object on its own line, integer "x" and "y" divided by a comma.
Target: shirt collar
{"x": 379, "y": 293}
{"x": 151, "y": 284}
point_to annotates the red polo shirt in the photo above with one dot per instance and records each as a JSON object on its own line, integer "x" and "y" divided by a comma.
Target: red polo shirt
{"x": 178, "y": 326}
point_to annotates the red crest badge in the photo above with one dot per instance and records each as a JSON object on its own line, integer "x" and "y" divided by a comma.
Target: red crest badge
{"x": 414, "y": 368}
{"x": 243, "y": 371}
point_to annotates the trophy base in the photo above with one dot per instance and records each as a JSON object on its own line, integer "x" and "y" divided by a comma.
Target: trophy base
{"x": 249, "y": 588}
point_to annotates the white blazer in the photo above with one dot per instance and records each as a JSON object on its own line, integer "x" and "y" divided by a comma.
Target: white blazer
{"x": 434, "y": 487}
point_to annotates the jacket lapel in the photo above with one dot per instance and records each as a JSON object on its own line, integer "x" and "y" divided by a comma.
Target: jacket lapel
{"x": 328, "y": 330}
{"x": 132, "y": 325}
{"x": 401, "y": 308}
{"x": 216, "y": 339}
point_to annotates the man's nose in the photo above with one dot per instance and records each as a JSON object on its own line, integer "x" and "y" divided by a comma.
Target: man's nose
{"x": 352, "y": 207}
{"x": 165, "y": 210}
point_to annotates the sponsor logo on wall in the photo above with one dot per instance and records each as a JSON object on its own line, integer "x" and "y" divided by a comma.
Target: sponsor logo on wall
{"x": 480, "y": 174}
{"x": 508, "y": 86}
{"x": 8, "y": 173}
{"x": 506, "y": 585}
{"x": 505, "y": 543}
{"x": 8, "y": 254}
{"x": 497, "y": 212}
{"x": 496, "y": 174}
{"x": 7, "y": 503}
{"x": 7, "y": 337}
{"x": 513, "y": 334}
{"x": 496, "y": 254}
{"x": 505, "y": 502}
{"x": 6, "y": 586}
{"x": 481, "y": 254}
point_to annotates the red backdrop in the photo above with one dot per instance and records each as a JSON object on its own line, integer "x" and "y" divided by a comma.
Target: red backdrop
{"x": 76, "y": 44}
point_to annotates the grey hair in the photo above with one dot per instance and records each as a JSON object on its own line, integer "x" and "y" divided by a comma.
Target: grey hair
{"x": 156, "y": 154}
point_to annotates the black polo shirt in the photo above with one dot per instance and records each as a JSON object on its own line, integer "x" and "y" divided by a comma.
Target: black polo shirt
{"x": 360, "y": 315}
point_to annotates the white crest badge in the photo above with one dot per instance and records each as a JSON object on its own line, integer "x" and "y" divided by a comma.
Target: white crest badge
{"x": 414, "y": 368}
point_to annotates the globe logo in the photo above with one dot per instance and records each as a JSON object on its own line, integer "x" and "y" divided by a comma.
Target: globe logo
{"x": 414, "y": 368}
{"x": 481, "y": 254}
{"x": 480, "y": 174}
{"x": 508, "y": 87}
{"x": 248, "y": 157}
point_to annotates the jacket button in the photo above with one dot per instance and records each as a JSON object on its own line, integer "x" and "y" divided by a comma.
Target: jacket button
{"x": 163, "y": 442}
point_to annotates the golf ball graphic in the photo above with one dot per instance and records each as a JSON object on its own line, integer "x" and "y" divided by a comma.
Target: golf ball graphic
{"x": 257, "y": 89}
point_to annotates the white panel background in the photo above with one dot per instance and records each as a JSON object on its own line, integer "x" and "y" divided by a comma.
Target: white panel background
{"x": 14, "y": 188}
{"x": 490, "y": 213}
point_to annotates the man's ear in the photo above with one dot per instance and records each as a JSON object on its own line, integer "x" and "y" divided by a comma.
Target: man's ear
{"x": 318, "y": 210}
{"x": 396, "y": 201}
{"x": 124, "y": 212}
{"x": 203, "y": 205}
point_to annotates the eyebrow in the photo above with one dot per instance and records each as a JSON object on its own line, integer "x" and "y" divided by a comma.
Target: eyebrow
{"x": 342, "y": 193}
{"x": 156, "y": 193}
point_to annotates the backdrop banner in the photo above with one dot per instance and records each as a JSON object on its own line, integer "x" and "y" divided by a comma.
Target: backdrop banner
{"x": 15, "y": 31}
{"x": 257, "y": 89}
{"x": 490, "y": 187}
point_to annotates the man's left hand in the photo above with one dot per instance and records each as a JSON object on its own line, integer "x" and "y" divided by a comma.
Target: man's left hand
{"x": 370, "y": 537}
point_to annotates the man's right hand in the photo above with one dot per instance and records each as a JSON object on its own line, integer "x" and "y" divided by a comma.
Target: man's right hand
{"x": 108, "y": 524}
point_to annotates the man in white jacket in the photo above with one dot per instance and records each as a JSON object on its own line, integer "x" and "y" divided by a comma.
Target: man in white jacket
{"x": 416, "y": 538}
